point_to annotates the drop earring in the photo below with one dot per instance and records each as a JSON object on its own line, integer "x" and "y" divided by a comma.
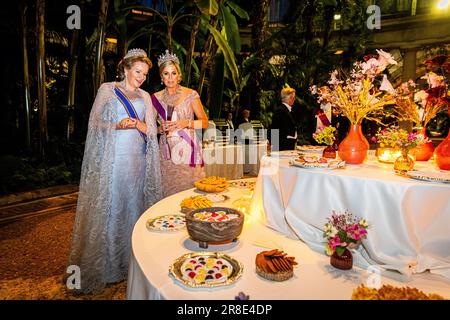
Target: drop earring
{"x": 162, "y": 82}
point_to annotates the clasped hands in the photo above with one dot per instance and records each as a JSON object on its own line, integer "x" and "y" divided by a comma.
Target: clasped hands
{"x": 130, "y": 123}
{"x": 127, "y": 123}
{"x": 169, "y": 126}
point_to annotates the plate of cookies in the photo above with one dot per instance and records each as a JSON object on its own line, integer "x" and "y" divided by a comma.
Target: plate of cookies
{"x": 212, "y": 184}
{"x": 195, "y": 202}
{"x": 275, "y": 265}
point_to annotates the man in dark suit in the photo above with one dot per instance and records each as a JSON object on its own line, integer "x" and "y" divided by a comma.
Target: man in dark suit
{"x": 284, "y": 121}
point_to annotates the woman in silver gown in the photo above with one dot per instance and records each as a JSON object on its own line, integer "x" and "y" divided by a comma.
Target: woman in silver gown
{"x": 120, "y": 175}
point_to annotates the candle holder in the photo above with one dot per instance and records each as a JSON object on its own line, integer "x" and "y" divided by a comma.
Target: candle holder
{"x": 387, "y": 155}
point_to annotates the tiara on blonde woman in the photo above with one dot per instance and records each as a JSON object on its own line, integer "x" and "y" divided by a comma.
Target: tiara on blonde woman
{"x": 168, "y": 57}
{"x": 135, "y": 53}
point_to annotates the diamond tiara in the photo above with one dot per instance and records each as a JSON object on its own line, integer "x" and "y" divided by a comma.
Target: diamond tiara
{"x": 135, "y": 53}
{"x": 168, "y": 57}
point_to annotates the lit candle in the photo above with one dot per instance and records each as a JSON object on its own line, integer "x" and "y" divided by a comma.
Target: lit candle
{"x": 388, "y": 155}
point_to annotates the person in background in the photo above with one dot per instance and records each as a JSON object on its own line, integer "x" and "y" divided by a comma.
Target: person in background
{"x": 120, "y": 176}
{"x": 284, "y": 122}
{"x": 178, "y": 107}
{"x": 244, "y": 117}
{"x": 229, "y": 120}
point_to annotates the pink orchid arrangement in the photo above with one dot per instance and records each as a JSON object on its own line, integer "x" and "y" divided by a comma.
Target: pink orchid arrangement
{"x": 422, "y": 105}
{"x": 344, "y": 231}
{"x": 359, "y": 96}
{"x": 395, "y": 137}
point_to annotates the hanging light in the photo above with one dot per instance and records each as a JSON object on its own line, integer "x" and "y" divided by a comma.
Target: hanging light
{"x": 443, "y": 4}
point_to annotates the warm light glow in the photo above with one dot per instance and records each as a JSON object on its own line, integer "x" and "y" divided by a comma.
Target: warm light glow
{"x": 339, "y": 52}
{"x": 443, "y": 4}
{"x": 111, "y": 40}
{"x": 388, "y": 155}
{"x": 144, "y": 13}
{"x": 337, "y": 16}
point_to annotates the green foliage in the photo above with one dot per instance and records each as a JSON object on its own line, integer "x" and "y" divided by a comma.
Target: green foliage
{"x": 23, "y": 174}
{"x": 266, "y": 102}
{"x": 19, "y": 174}
{"x": 207, "y": 7}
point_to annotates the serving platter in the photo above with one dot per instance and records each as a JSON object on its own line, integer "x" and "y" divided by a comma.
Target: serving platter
{"x": 329, "y": 165}
{"x": 429, "y": 176}
{"x": 166, "y": 223}
{"x": 310, "y": 148}
{"x": 206, "y": 269}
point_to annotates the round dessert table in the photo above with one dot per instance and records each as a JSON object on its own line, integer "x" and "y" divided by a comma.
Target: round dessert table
{"x": 314, "y": 278}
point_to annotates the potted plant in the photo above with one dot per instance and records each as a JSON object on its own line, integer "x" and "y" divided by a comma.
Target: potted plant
{"x": 327, "y": 136}
{"x": 343, "y": 232}
{"x": 405, "y": 142}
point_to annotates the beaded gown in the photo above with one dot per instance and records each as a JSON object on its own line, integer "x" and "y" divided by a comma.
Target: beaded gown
{"x": 177, "y": 172}
{"x": 120, "y": 179}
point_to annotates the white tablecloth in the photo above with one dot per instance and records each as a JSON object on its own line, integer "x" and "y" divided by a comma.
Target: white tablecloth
{"x": 253, "y": 154}
{"x": 409, "y": 220}
{"x": 314, "y": 278}
{"x": 224, "y": 161}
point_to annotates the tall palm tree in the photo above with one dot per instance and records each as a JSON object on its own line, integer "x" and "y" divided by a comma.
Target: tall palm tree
{"x": 26, "y": 76}
{"x": 73, "y": 67}
{"x": 42, "y": 94}
{"x": 101, "y": 28}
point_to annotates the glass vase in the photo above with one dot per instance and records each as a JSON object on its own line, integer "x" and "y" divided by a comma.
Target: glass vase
{"x": 353, "y": 149}
{"x": 442, "y": 154}
{"x": 424, "y": 151}
{"x": 329, "y": 152}
{"x": 404, "y": 163}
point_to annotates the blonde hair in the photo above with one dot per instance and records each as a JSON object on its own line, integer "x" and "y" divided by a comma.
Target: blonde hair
{"x": 287, "y": 93}
{"x": 170, "y": 63}
{"x": 127, "y": 63}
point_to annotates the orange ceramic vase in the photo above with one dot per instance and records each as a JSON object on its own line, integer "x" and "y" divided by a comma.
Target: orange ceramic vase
{"x": 442, "y": 154}
{"x": 353, "y": 149}
{"x": 424, "y": 151}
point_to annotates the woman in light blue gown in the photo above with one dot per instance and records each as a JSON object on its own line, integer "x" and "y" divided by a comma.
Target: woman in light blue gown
{"x": 120, "y": 176}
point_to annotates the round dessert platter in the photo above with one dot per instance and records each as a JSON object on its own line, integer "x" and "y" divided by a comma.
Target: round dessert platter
{"x": 217, "y": 198}
{"x": 275, "y": 265}
{"x": 212, "y": 184}
{"x": 169, "y": 223}
{"x": 429, "y": 176}
{"x": 206, "y": 269}
{"x": 195, "y": 202}
{"x": 317, "y": 162}
{"x": 243, "y": 184}
{"x": 311, "y": 149}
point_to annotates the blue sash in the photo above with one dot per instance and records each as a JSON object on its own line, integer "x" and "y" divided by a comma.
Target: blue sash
{"x": 162, "y": 113}
{"x": 129, "y": 108}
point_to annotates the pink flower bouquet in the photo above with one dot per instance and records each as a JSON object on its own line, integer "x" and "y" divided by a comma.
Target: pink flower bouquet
{"x": 344, "y": 231}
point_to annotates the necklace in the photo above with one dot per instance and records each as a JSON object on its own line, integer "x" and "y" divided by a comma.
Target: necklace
{"x": 171, "y": 100}
{"x": 131, "y": 94}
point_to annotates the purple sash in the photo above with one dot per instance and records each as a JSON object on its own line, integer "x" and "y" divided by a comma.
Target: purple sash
{"x": 162, "y": 113}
